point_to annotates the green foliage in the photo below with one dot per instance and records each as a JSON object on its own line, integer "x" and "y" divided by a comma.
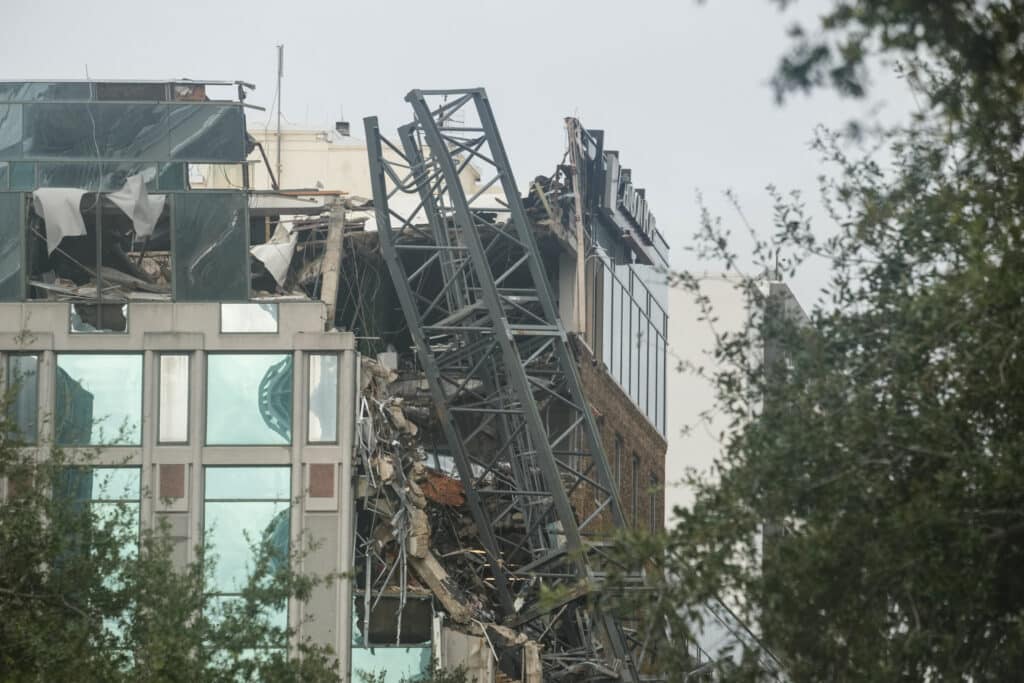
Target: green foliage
{"x": 85, "y": 597}
{"x": 876, "y": 447}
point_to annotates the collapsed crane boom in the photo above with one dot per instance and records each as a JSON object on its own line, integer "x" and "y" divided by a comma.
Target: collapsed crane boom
{"x": 502, "y": 376}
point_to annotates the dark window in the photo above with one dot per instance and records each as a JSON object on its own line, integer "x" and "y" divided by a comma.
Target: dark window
{"x": 652, "y": 503}
{"x": 635, "y": 502}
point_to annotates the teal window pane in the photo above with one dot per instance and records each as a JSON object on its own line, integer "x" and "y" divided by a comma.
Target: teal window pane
{"x": 171, "y": 177}
{"x": 234, "y": 528}
{"x": 248, "y": 483}
{"x": 45, "y": 91}
{"x": 5, "y": 174}
{"x": 85, "y": 131}
{"x": 23, "y": 375}
{"x": 234, "y": 522}
{"x": 249, "y": 399}
{"x": 10, "y": 131}
{"x": 323, "y": 398}
{"x": 12, "y": 252}
{"x": 205, "y": 132}
{"x": 211, "y": 246}
{"x": 399, "y": 663}
{"x": 99, "y": 399}
{"x": 23, "y": 176}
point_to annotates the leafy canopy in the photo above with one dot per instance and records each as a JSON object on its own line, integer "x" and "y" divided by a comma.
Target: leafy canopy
{"x": 877, "y": 449}
{"x": 85, "y": 596}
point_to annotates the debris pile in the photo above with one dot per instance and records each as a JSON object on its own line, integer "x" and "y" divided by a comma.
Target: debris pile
{"x": 415, "y": 537}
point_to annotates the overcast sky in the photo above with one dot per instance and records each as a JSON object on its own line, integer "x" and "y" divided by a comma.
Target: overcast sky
{"x": 680, "y": 88}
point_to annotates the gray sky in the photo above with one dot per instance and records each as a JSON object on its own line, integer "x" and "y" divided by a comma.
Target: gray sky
{"x": 680, "y": 88}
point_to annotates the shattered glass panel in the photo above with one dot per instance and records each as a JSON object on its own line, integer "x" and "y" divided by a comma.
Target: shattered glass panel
{"x": 323, "y": 398}
{"x": 10, "y": 131}
{"x": 101, "y": 318}
{"x": 211, "y": 257}
{"x": 88, "y": 131}
{"x": 45, "y": 91}
{"x": 87, "y": 175}
{"x": 12, "y": 272}
{"x": 173, "y": 408}
{"x": 204, "y": 132}
{"x": 23, "y": 373}
{"x": 253, "y": 317}
{"x": 23, "y": 176}
{"x": 98, "y": 399}
{"x": 249, "y": 399}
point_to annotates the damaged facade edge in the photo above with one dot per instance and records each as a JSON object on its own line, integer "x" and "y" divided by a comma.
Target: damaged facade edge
{"x": 175, "y": 209}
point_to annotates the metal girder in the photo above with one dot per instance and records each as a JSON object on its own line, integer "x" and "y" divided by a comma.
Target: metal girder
{"x": 502, "y": 376}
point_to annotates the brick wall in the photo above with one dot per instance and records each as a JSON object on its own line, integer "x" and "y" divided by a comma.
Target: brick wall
{"x": 620, "y": 422}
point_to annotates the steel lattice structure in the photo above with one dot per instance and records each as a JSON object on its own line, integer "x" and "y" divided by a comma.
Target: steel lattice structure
{"x": 502, "y": 375}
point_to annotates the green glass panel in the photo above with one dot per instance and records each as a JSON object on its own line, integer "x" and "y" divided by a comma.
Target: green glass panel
{"x": 205, "y": 132}
{"x": 45, "y": 91}
{"x": 211, "y": 240}
{"x": 99, "y": 399}
{"x": 12, "y": 253}
{"x": 5, "y": 174}
{"x": 23, "y": 176}
{"x": 172, "y": 176}
{"x": 249, "y": 399}
{"x": 88, "y": 131}
{"x": 10, "y": 131}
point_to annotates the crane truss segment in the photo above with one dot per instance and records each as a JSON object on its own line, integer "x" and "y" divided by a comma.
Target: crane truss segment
{"x": 502, "y": 376}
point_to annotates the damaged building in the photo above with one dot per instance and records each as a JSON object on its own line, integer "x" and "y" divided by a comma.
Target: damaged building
{"x": 460, "y": 379}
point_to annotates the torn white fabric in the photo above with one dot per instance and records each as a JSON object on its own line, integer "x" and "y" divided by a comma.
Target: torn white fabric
{"x": 276, "y": 255}
{"x": 142, "y": 208}
{"x": 60, "y": 208}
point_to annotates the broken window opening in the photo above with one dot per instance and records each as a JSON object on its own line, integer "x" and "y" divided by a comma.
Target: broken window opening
{"x": 248, "y": 318}
{"x": 87, "y": 318}
{"x": 216, "y": 177}
{"x": 84, "y": 245}
{"x": 385, "y": 628}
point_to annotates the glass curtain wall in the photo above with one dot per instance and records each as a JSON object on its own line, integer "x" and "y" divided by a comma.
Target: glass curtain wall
{"x": 634, "y": 324}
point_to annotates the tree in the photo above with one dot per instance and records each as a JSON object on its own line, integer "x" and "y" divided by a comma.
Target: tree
{"x": 882, "y": 448}
{"x": 85, "y": 596}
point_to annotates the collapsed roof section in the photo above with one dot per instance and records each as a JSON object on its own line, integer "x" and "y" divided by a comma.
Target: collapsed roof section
{"x": 102, "y": 198}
